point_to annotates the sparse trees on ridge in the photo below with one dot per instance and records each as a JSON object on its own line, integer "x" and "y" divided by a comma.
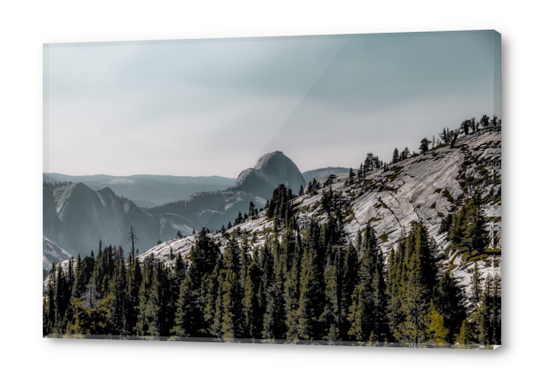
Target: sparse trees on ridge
{"x": 424, "y": 146}
{"x": 395, "y": 157}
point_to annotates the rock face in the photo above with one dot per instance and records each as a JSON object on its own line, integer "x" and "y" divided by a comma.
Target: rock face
{"x": 270, "y": 171}
{"x": 52, "y": 253}
{"x": 254, "y": 181}
{"x": 76, "y": 218}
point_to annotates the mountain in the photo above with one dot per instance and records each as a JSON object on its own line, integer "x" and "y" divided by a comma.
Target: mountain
{"x": 148, "y": 190}
{"x": 271, "y": 170}
{"x": 426, "y": 188}
{"x": 76, "y": 218}
{"x": 215, "y": 209}
{"x": 324, "y": 173}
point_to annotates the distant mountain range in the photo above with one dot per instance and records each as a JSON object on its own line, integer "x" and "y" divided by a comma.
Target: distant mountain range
{"x": 79, "y": 215}
{"x": 324, "y": 173}
{"x": 148, "y": 190}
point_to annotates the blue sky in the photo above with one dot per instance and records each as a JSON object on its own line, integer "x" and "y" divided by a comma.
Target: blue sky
{"x": 213, "y": 107}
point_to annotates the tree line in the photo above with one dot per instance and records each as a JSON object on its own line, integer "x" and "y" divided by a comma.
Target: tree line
{"x": 56, "y": 184}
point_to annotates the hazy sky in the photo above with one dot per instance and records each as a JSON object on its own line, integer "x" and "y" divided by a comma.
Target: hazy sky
{"x": 213, "y": 107}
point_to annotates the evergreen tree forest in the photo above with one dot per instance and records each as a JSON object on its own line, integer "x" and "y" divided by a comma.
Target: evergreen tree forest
{"x": 298, "y": 286}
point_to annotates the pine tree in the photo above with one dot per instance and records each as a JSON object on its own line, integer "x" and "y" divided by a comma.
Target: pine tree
{"x": 467, "y": 231}
{"x": 414, "y": 274}
{"x": 414, "y": 306}
{"x": 133, "y": 283}
{"x": 291, "y": 295}
{"x": 131, "y": 238}
{"x": 61, "y": 301}
{"x": 311, "y": 286}
{"x": 405, "y": 154}
{"x": 117, "y": 286}
{"x": 495, "y": 338}
{"x": 424, "y": 146}
{"x": 274, "y": 317}
{"x": 78, "y": 281}
{"x": 475, "y": 282}
{"x": 231, "y": 306}
{"x": 465, "y": 338}
{"x": 212, "y": 284}
{"x": 145, "y": 308}
{"x": 486, "y": 316}
{"x": 330, "y": 318}
{"x": 367, "y": 312}
{"x": 450, "y": 303}
{"x": 349, "y": 279}
{"x": 250, "y": 301}
{"x": 231, "y": 298}
{"x": 436, "y": 332}
{"x": 50, "y": 304}
{"x": 186, "y": 316}
{"x": 216, "y": 325}
{"x": 395, "y": 158}
{"x": 393, "y": 287}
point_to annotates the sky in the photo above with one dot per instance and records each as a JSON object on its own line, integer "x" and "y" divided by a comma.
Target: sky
{"x": 214, "y": 106}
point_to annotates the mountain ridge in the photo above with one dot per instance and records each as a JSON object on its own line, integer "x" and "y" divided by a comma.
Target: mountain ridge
{"x": 148, "y": 190}
{"x": 76, "y": 216}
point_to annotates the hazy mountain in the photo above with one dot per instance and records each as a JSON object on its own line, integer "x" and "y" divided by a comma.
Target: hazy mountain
{"x": 271, "y": 170}
{"x": 324, "y": 173}
{"x": 214, "y": 209}
{"x": 148, "y": 190}
{"x": 76, "y": 217}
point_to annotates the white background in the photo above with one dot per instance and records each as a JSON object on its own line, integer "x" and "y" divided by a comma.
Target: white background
{"x": 26, "y": 25}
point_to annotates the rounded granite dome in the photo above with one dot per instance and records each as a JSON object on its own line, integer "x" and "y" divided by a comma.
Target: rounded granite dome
{"x": 270, "y": 171}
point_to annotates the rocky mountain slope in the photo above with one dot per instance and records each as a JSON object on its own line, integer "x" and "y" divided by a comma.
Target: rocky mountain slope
{"x": 425, "y": 188}
{"x": 52, "y": 253}
{"x": 76, "y": 218}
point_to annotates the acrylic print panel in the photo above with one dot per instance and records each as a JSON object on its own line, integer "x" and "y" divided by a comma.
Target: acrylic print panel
{"x": 341, "y": 190}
